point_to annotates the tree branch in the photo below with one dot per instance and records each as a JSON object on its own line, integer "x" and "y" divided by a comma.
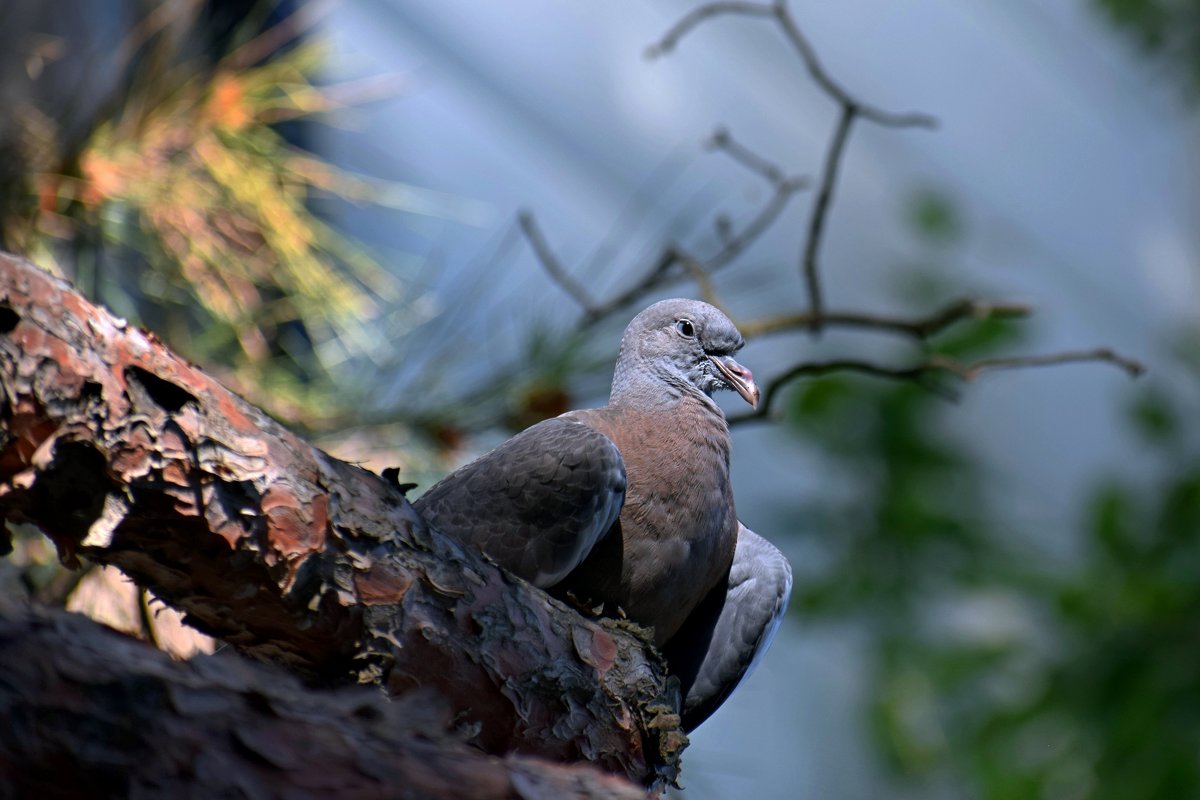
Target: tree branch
{"x": 787, "y": 23}
{"x": 972, "y": 370}
{"x": 92, "y": 713}
{"x": 851, "y": 108}
{"x": 661, "y": 273}
{"x": 820, "y": 211}
{"x": 722, "y": 140}
{"x": 923, "y": 373}
{"x": 123, "y": 453}
{"x": 822, "y": 78}
{"x": 549, "y": 261}
{"x": 918, "y": 328}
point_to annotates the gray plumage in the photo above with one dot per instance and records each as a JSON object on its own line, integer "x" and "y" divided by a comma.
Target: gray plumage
{"x": 726, "y": 635}
{"x": 629, "y": 507}
{"x": 559, "y": 479}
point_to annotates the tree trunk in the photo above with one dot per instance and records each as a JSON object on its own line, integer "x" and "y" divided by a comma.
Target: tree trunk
{"x": 125, "y": 454}
{"x": 91, "y": 713}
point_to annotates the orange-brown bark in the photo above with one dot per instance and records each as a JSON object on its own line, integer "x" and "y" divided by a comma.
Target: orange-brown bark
{"x": 123, "y": 453}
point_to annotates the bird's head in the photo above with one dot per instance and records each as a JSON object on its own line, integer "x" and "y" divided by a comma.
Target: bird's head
{"x": 686, "y": 345}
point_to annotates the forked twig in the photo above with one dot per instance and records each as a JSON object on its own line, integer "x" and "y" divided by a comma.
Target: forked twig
{"x": 675, "y": 264}
{"x": 851, "y": 108}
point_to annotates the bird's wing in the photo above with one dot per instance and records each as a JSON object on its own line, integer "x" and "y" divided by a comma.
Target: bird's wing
{"x": 724, "y": 638}
{"x": 537, "y": 503}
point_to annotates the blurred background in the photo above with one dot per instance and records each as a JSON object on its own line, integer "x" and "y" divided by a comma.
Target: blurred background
{"x": 358, "y": 214}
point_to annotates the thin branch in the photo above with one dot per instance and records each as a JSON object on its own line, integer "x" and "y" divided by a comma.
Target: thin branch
{"x": 765, "y": 218}
{"x": 918, "y": 328}
{"x": 723, "y": 141}
{"x": 703, "y": 279}
{"x": 550, "y": 262}
{"x": 924, "y": 374}
{"x": 820, "y": 212}
{"x": 787, "y": 24}
{"x": 661, "y": 274}
{"x": 918, "y": 374}
{"x": 698, "y": 15}
{"x": 817, "y": 70}
{"x": 657, "y": 275}
{"x": 971, "y": 371}
{"x": 851, "y": 108}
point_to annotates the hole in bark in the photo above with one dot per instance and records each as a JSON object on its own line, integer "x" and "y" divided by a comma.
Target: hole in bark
{"x": 91, "y": 391}
{"x": 8, "y": 319}
{"x": 69, "y": 495}
{"x": 166, "y": 395}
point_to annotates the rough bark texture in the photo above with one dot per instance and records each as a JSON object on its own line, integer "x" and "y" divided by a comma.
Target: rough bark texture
{"x": 125, "y": 454}
{"x": 89, "y": 712}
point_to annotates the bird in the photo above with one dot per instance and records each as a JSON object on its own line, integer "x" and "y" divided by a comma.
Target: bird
{"x": 628, "y": 509}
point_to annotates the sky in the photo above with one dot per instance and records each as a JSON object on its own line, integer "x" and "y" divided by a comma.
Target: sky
{"x": 1071, "y": 161}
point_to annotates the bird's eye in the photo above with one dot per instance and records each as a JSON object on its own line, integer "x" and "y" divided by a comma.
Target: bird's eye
{"x": 686, "y": 328}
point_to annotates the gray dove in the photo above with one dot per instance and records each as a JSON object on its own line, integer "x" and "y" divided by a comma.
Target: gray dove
{"x": 629, "y": 507}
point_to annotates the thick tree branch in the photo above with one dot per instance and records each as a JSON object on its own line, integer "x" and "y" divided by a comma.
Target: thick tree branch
{"x": 123, "y": 453}
{"x": 92, "y": 713}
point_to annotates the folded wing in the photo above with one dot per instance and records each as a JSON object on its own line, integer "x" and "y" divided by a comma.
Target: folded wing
{"x": 538, "y": 503}
{"x": 723, "y": 639}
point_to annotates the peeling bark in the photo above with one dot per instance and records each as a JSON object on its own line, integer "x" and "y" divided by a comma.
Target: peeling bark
{"x": 89, "y": 712}
{"x": 125, "y": 454}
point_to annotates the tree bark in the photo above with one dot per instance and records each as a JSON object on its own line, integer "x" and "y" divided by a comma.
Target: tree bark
{"x": 124, "y": 453}
{"x": 89, "y": 712}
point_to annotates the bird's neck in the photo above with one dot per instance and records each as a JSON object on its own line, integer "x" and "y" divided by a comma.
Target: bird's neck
{"x": 651, "y": 393}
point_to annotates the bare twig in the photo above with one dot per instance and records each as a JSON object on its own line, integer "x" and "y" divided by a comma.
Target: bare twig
{"x": 698, "y": 273}
{"x": 765, "y": 218}
{"x": 697, "y": 15}
{"x": 817, "y": 70}
{"x": 918, "y": 328}
{"x": 661, "y": 272}
{"x": 550, "y": 262}
{"x": 674, "y": 263}
{"x": 971, "y": 371}
{"x": 851, "y": 108}
{"x": 723, "y": 141}
{"x": 820, "y": 212}
{"x": 919, "y": 374}
{"x": 924, "y": 374}
{"x": 787, "y": 24}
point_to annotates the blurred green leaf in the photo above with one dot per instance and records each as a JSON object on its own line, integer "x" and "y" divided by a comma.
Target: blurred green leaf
{"x": 976, "y": 338}
{"x": 1154, "y": 418}
{"x": 935, "y": 217}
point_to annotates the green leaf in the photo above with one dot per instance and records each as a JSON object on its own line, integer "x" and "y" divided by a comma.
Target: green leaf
{"x": 934, "y": 217}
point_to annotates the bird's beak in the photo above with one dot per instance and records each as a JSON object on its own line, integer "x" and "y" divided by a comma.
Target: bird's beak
{"x": 740, "y": 379}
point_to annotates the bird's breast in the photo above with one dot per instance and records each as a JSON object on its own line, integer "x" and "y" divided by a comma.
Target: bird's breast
{"x": 678, "y": 527}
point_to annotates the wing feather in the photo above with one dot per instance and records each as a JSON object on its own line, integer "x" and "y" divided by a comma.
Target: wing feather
{"x": 538, "y": 503}
{"x": 725, "y": 637}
